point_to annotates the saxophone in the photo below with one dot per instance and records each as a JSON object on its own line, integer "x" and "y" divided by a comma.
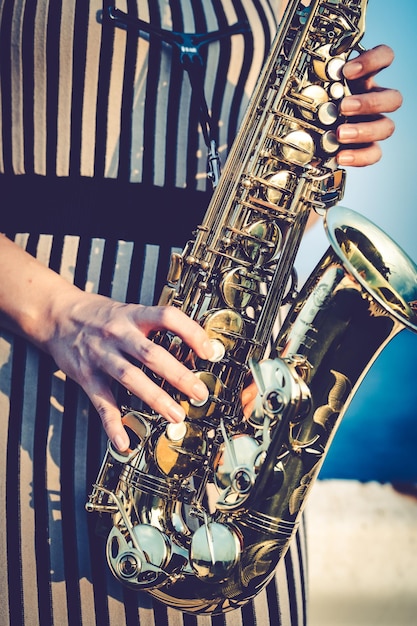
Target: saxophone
{"x": 202, "y": 511}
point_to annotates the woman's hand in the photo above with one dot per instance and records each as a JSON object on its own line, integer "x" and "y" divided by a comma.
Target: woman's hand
{"x": 97, "y": 340}
{"x": 94, "y": 339}
{"x": 364, "y": 110}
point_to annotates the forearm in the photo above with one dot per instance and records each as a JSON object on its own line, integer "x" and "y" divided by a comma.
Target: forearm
{"x": 29, "y": 291}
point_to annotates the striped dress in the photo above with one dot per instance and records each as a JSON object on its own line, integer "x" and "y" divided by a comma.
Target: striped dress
{"x": 102, "y": 175}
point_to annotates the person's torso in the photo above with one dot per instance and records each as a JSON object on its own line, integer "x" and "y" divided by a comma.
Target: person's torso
{"x": 85, "y": 94}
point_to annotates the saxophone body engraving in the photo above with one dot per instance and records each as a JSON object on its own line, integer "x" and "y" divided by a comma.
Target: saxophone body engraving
{"x": 203, "y": 511}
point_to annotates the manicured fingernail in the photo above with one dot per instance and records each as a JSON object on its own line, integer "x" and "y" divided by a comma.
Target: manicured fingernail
{"x": 345, "y": 158}
{"x": 347, "y": 132}
{"x": 176, "y": 412}
{"x": 352, "y": 69}
{"x": 350, "y": 105}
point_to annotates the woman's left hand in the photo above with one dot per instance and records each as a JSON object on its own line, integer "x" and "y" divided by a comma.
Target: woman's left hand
{"x": 366, "y": 125}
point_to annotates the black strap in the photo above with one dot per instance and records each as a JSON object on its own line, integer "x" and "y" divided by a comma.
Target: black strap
{"x": 189, "y": 46}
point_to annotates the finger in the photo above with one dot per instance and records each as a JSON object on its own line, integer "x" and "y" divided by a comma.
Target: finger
{"x": 248, "y": 397}
{"x": 172, "y": 319}
{"x": 360, "y": 157}
{"x": 161, "y": 363}
{"x": 369, "y": 63}
{"x": 137, "y": 382}
{"x": 372, "y": 102}
{"x": 106, "y": 406}
{"x": 366, "y": 132}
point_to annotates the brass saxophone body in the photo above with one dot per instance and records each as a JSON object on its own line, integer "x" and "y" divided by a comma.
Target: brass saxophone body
{"x": 203, "y": 511}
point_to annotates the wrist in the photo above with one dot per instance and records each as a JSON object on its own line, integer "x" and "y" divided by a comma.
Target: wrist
{"x": 31, "y": 294}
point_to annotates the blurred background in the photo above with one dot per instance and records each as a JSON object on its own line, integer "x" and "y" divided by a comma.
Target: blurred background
{"x": 362, "y": 515}
{"x": 377, "y": 439}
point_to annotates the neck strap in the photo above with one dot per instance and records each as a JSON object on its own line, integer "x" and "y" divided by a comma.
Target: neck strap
{"x": 189, "y": 46}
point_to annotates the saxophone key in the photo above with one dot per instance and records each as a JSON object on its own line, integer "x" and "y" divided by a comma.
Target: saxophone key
{"x": 337, "y": 90}
{"x": 328, "y": 113}
{"x": 310, "y": 98}
{"x": 297, "y": 147}
{"x": 180, "y": 450}
{"x": 225, "y": 328}
{"x": 334, "y": 68}
{"x": 261, "y": 241}
{"x": 239, "y": 290}
{"x": 215, "y": 388}
{"x": 329, "y": 143}
{"x": 175, "y": 268}
{"x": 279, "y": 185}
{"x": 219, "y": 351}
{"x": 326, "y": 66}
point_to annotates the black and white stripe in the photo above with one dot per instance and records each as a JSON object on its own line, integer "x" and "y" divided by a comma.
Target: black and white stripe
{"x": 73, "y": 87}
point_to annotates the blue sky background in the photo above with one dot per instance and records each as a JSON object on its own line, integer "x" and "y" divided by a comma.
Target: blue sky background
{"x": 386, "y": 192}
{"x": 377, "y": 439}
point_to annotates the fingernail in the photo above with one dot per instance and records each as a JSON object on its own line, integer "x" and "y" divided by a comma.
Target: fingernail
{"x": 121, "y": 443}
{"x": 176, "y": 412}
{"x": 350, "y": 105}
{"x": 200, "y": 391}
{"x": 345, "y": 158}
{"x": 352, "y": 69}
{"x": 208, "y": 349}
{"x": 347, "y": 132}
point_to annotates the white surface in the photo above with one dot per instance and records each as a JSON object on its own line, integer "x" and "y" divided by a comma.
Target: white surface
{"x": 362, "y": 555}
